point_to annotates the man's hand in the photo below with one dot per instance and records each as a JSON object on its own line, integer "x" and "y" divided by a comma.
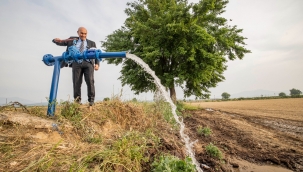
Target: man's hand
{"x": 96, "y": 67}
{"x": 57, "y": 40}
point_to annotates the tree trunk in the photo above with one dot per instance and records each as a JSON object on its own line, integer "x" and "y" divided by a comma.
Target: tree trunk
{"x": 173, "y": 95}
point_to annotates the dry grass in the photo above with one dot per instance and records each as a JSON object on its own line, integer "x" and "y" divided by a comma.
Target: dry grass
{"x": 114, "y": 136}
{"x": 277, "y": 108}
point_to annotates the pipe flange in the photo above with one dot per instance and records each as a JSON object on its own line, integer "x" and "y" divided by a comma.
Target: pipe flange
{"x": 74, "y": 54}
{"x": 67, "y": 58}
{"x": 98, "y": 54}
{"x": 48, "y": 60}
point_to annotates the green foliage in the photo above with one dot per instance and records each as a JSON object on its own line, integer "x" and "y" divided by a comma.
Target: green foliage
{"x": 71, "y": 111}
{"x": 282, "y": 94}
{"x": 106, "y": 99}
{"x": 213, "y": 151}
{"x": 126, "y": 153}
{"x": 134, "y": 100}
{"x": 186, "y": 44}
{"x": 295, "y": 92}
{"x": 180, "y": 106}
{"x": 204, "y": 131}
{"x": 225, "y": 96}
{"x": 37, "y": 110}
{"x": 172, "y": 164}
{"x": 165, "y": 109}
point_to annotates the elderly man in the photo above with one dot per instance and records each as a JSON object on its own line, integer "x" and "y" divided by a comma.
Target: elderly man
{"x": 86, "y": 67}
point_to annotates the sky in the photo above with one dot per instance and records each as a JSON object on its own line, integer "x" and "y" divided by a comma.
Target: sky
{"x": 273, "y": 30}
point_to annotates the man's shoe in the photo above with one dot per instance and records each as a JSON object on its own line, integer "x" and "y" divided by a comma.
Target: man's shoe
{"x": 91, "y": 103}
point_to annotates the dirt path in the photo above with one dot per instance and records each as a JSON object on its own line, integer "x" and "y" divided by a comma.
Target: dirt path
{"x": 260, "y": 139}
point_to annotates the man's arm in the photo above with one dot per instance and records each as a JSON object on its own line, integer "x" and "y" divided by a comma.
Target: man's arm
{"x": 59, "y": 42}
{"x": 64, "y": 42}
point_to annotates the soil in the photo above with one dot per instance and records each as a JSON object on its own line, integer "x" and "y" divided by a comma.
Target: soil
{"x": 248, "y": 142}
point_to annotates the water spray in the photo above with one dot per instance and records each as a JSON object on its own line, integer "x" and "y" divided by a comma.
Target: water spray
{"x": 164, "y": 93}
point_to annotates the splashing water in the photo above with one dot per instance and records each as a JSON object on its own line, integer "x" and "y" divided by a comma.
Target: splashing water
{"x": 164, "y": 93}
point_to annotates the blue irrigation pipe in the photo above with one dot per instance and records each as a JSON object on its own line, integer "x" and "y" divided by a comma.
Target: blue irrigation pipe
{"x": 70, "y": 56}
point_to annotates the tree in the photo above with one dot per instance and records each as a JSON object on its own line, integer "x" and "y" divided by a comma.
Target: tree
{"x": 295, "y": 92}
{"x": 282, "y": 94}
{"x": 225, "y": 95}
{"x": 187, "y": 45}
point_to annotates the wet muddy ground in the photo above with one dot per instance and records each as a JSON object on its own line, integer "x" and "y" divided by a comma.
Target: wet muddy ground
{"x": 248, "y": 143}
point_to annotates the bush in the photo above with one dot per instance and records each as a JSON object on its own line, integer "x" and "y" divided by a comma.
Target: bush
{"x": 106, "y": 99}
{"x": 204, "y": 131}
{"x": 213, "y": 151}
{"x": 173, "y": 164}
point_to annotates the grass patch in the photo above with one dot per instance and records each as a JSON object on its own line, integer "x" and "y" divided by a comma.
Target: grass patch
{"x": 205, "y": 131}
{"x": 126, "y": 154}
{"x": 173, "y": 164}
{"x": 214, "y": 151}
{"x": 190, "y": 107}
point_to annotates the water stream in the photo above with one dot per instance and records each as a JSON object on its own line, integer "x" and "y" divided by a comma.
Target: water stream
{"x": 179, "y": 120}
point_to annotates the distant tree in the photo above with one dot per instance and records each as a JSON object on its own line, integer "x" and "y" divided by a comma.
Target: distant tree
{"x": 106, "y": 99}
{"x": 295, "y": 92}
{"x": 282, "y": 94}
{"x": 225, "y": 95}
{"x": 134, "y": 99}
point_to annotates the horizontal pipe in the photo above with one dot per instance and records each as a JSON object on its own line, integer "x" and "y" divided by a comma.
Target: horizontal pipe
{"x": 113, "y": 54}
{"x": 74, "y": 54}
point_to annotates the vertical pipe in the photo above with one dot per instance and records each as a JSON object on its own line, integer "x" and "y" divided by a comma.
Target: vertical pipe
{"x": 54, "y": 88}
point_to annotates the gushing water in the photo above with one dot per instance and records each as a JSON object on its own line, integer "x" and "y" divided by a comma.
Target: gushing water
{"x": 164, "y": 93}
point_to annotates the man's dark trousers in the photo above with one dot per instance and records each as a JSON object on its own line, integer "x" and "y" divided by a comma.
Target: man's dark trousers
{"x": 87, "y": 69}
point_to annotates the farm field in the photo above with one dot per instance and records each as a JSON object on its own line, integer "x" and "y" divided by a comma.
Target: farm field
{"x": 291, "y": 109}
{"x": 252, "y": 134}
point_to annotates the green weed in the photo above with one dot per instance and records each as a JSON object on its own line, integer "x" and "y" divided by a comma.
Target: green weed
{"x": 37, "y": 111}
{"x": 127, "y": 153}
{"x": 213, "y": 151}
{"x": 165, "y": 109}
{"x": 204, "y": 131}
{"x": 171, "y": 163}
{"x": 71, "y": 111}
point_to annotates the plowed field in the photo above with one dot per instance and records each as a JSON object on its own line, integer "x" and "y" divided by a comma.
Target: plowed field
{"x": 251, "y": 134}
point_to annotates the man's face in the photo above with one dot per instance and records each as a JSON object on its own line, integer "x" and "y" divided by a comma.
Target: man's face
{"x": 82, "y": 33}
